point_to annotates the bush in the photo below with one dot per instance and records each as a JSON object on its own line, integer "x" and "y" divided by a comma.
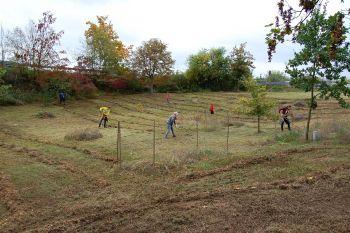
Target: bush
{"x": 19, "y": 76}
{"x": 136, "y": 85}
{"x": 84, "y": 135}
{"x": 54, "y": 81}
{"x": 8, "y": 96}
{"x": 288, "y": 137}
{"x": 82, "y": 85}
{"x": 164, "y": 84}
{"x": 119, "y": 84}
{"x": 181, "y": 82}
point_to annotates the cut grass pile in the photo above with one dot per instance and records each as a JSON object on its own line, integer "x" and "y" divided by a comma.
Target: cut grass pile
{"x": 84, "y": 135}
{"x": 45, "y": 115}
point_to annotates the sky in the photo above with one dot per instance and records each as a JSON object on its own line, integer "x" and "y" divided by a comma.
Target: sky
{"x": 186, "y": 26}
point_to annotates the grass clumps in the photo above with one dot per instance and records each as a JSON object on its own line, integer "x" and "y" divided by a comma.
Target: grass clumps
{"x": 83, "y": 135}
{"x": 334, "y": 129}
{"x": 288, "y": 136}
{"x": 45, "y": 115}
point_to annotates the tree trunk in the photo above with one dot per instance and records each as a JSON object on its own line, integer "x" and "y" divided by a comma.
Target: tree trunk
{"x": 152, "y": 85}
{"x": 258, "y": 124}
{"x": 309, "y": 115}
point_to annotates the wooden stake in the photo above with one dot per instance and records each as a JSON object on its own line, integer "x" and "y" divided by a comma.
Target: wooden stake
{"x": 154, "y": 142}
{"x": 228, "y": 133}
{"x": 119, "y": 145}
{"x": 197, "y": 135}
{"x": 205, "y": 119}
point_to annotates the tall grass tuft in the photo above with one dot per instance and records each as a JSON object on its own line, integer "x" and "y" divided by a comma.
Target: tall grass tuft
{"x": 334, "y": 129}
{"x": 84, "y": 135}
{"x": 45, "y": 115}
{"x": 288, "y": 136}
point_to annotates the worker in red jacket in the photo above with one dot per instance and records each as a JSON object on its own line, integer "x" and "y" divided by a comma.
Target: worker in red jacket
{"x": 285, "y": 111}
{"x": 211, "y": 108}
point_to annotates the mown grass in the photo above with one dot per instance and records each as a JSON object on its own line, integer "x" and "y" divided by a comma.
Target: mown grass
{"x": 78, "y": 167}
{"x": 34, "y": 179}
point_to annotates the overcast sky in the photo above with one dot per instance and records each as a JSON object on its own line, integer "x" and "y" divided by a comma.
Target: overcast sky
{"x": 186, "y": 26}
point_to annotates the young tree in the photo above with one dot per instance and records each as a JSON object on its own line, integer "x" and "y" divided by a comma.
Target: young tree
{"x": 152, "y": 60}
{"x": 210, "y": 69}
{"x": 320, "y": 64}
{"x": 241, "y": 64}
{"x": 291, "y": 17}
{"x": 258, "y": 105}
{"x": 36, "y": 46}
{"x": 104, "y": 50}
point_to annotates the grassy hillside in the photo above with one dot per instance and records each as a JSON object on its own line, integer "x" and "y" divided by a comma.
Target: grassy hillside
{"x": 268, "y": 182}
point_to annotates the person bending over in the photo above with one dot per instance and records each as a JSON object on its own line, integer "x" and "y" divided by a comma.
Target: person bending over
{"x": 170, "y": 122}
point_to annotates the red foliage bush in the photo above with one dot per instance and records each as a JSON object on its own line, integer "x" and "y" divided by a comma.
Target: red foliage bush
{"x": 82, "y": 85}
{"x": 120, "y": 84}
{"x": 77, "y": 84}
{"x": 51, "y": 80}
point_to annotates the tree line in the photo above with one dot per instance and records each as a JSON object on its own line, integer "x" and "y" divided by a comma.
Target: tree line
{"x": 151, "y": 64}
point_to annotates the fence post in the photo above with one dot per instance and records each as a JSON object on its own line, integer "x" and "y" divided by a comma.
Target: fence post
{"x": 205, "y": 119}
{"x": 197, "y": 135}
{"x": 228, "y": 132}
{"x": 119, "y": 145}
{"x": 154, "y": 142}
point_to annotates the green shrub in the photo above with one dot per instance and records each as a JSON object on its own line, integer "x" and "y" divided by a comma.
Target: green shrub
{"x": 7, "y": 96}
{"x": 180, "y": 80}
{"x": 288, "y": 136}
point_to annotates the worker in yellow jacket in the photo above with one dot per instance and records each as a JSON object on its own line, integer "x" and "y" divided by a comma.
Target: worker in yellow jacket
{"x": 104, "y": 115}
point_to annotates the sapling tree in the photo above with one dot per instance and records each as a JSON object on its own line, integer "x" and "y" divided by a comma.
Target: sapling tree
{"x": 319, "y": 66}
{"x": 258, "y": 105}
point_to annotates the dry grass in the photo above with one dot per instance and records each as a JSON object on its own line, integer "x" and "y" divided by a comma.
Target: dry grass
{"x": 84, "y": 135}
{"x": 45, "y": 115}
{"x": 59, "y": 179}
{"x": 334, "y": 129}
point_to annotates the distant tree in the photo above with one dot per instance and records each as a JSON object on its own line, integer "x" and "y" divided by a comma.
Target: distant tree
{"x": 320, "y": 64}
{"x": 291, "y": 17}
{"x": 198, "y": 71}
{"x": 276, "y": 76}
{"x": 104, "y": 50}
{"x": 180, "y": 80}
{"x": 152, "y": 60}
{"x": 209, "y": 69}
{"x": 36, "y": 46}
{"x": 241, "y": 64}
{"x": 258, "y": 105}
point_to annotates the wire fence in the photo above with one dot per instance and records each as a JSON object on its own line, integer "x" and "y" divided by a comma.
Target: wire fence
{"x": 198, "y": 133}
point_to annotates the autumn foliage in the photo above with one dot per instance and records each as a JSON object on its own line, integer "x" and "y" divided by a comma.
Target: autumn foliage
{"x": 104, "y": 50}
